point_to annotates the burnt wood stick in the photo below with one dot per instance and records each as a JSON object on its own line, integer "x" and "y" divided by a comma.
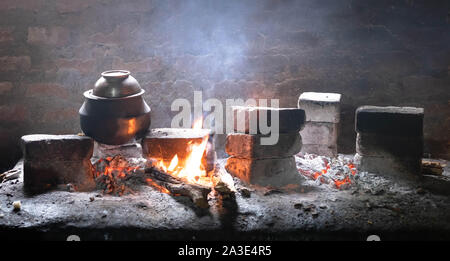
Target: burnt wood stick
{"x": 197, "y": 193}
{"x": 159, "y": 175}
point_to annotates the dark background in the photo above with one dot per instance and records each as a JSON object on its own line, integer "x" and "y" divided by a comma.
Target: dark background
{"x": 374, "y": 52}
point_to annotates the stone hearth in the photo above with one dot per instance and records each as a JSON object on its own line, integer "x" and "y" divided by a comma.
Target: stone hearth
{"x": 372, "y": 205}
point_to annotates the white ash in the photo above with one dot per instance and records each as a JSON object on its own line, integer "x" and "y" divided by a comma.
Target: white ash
{"x": 331, "y": 171}
{"x": 339, "y": 168}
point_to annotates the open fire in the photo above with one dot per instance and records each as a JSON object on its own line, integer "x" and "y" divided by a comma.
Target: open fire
{"x": 182, "y": 175}
{"x": 191, "y": 169}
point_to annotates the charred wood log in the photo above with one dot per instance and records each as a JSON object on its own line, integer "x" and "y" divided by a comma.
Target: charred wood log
{"x": 197, "y": 193}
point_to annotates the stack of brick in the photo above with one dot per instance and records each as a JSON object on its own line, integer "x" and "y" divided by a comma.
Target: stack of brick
{"x": 52, "y": 160}
{"x": 265, "y": 165}
{"x": 389, "y": 140}
{"x": 322, "y": 122}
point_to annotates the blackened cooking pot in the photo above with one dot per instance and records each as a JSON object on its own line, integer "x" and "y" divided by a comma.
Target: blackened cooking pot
{"x": 114, "y": 112}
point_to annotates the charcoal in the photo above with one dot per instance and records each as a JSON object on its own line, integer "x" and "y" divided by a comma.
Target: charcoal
{"x": 249, "y": 146}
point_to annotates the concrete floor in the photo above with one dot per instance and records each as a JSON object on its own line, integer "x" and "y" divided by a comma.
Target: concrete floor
{"x": 310, "y": 212}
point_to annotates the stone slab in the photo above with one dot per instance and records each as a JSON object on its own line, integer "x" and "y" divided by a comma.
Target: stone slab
{"x": 152, "y": 215}
{"x": 264, "y": 172}
{"x": 319, "y": 149}
{"x": 249, "y": 146}
{"x": 56, "y": 147}
{"x": 323, "y": 133}
{"x": 399, "y": 121}
{"x": 249, "y": 118}
{"x": 368, "y": 144}
{"x": 320, "y": 106}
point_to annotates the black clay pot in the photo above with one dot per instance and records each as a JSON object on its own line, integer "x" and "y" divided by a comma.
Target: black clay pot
{"x": 114, "y": 112}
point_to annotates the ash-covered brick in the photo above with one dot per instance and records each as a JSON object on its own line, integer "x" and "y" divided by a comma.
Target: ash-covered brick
{"x": 368, "y": 144}
{"x": 320, "y": 107}
{"x": 264, "y": 172}
{"x": 400, "y": 121}
{"x": 51, "y": 160}
{"x": 43, "y": 175}
{"x": 56, "y": 147}
{"x": 394, "y": 167}
{"x": 249, "y": 146}
{"x": 320, "y": 133}
{"x": 165, "y": 143}
{"x": 248, "y": 118}
{"x": 320, "y": 149}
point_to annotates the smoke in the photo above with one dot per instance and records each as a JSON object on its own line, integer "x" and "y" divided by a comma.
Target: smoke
{"x": 209, "y": 41}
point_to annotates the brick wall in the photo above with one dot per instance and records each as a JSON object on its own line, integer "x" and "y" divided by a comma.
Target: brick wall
{"x": 373, "y": 52}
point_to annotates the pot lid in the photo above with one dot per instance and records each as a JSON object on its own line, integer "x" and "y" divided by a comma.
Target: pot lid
{"x": 116, "y": 84}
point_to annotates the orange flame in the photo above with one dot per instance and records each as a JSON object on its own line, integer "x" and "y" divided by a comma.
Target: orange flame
{"x": 173, "y": 163}
{"x": 191, "y": 168}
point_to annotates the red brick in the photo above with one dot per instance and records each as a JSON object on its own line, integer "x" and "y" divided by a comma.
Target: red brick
{"x": 59, "y": 115}
{"x": 5, "y": 87}
{"x": 119, "y": 35}
{"x": 71, "y": 6}
{"x": 63, "y": 114}
{"x": 13, "y": 113}
{"x": 21, "y": 4}
{"x": 146, "y": 65}
{"x": 45, "y": 90}
{"x": 84, "y": 66}
{"x": 15, "y": 63}
{"x": 56, "y": 35}
{"x": 6, "y": 34}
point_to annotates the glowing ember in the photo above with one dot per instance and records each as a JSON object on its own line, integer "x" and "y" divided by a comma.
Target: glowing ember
{"x": 110, "y": 174}
{"x": 191, "y": 168}
{"x": 162, "y": 189}
{"x": 334, "y": 171}
{"x": 339, "y": 183}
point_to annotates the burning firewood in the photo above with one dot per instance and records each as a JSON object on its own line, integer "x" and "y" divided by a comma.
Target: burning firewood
{"x": 170, "y": 184}
{"x": 223, "y": 182}
{"x": 9, "y": 175}
{"x": 116, "y": 175}
{"x": 432, "y": 167}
